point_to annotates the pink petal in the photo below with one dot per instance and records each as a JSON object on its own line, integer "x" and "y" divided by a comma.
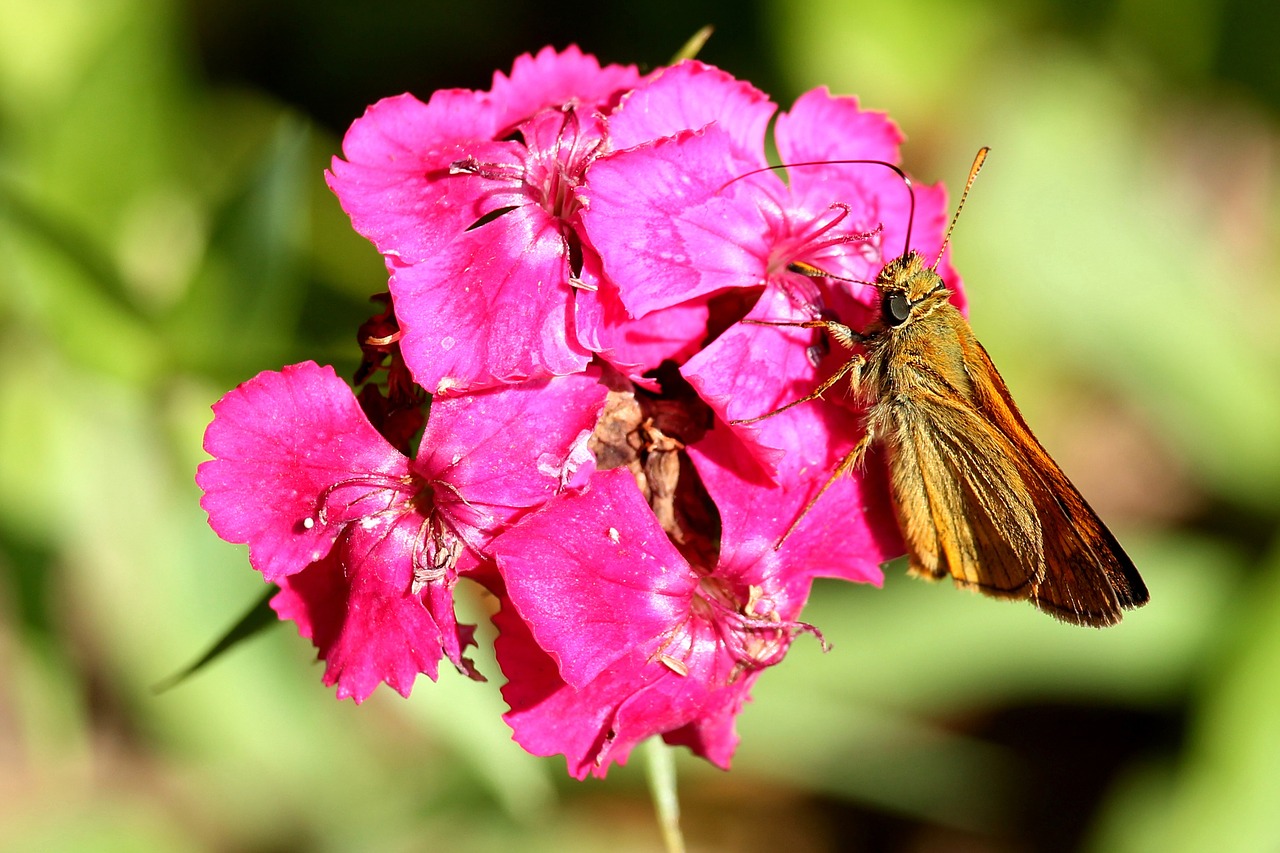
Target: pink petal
{"x": 547, "y": 717}
{"x": 551, "y": 79}
{"x": 283, "y": 445}
{"x": 626, "y": 655}
{"x": 594, "y": 575}
{"x": 848, "y": 533}
{"x": 637, "y": 346}
{"x": 714, "y": 735}
{"x": 820, "y": 128}
{"x": 932, "y": 218}
{"x": 824, "y": 127}
{"x": 638, "y": 696}
{"x": 708, "y": 691}
{"x": 751, "y": 370}
{"x": 670, "y": 226}
{"x": 357, "y": 607}
{"x": 395, "y": 182}
{"x": 492, "y": 307}
{"x": 500, "y": 452}
{"x": 690, "y": 96}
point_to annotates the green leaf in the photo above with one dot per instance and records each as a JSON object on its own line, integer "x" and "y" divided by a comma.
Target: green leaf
{"x": 256, "y": 619}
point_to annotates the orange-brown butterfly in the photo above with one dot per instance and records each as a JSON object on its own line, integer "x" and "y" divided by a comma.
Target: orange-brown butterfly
{"x": 976, "y": 495}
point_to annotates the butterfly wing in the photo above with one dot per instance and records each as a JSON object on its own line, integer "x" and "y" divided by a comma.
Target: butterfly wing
{"x": 960, "y": 501}
{"x": 980, "y": 499}
{"x": 1085, "y": 560}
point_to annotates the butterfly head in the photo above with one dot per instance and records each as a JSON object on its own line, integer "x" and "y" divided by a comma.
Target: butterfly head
{"x": 908, "y": 289}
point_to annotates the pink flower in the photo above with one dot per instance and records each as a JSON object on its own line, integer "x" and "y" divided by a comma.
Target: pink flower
{"x": 365, "y": 544}
{"x": 472, "y": 199}
{"x": 574, "y": 214}
{"x": 612, "y": 636}
{"x": 678, "y": 216}
{"x": 674, "y": 215}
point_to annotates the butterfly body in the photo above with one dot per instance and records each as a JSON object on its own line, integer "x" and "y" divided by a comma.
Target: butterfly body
{"x": 976, "y": 495}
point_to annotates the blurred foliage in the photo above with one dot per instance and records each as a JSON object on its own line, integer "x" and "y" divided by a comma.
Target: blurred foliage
{"x": 165, "y": 233}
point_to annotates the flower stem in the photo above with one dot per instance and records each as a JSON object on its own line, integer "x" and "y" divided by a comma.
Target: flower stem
{"x": 662, "y": 786}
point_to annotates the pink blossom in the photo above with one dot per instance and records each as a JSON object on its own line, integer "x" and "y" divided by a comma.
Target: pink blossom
{"x": 674, "y": 215}
{"x": 472, "y": 199}
{"x": 394, "y": 182}
{"x": 365, "y": 544}
{"x": 678, "y": 216}
{"x": 575, "y": 227}
{"x": 615, "y": 637}
{"x": 553, "y": 79}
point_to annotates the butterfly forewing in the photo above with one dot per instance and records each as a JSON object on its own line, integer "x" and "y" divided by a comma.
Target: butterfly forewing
{"x": 1089, "y": 578}
{"x": 984, "y": 531}
{"x": 977, "y": 497}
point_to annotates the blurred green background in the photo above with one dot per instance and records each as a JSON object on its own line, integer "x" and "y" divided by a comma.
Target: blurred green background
{"x": 165, "y": 233}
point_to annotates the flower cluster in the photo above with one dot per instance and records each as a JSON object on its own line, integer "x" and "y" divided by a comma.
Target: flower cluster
{"x": 544, "y": 402}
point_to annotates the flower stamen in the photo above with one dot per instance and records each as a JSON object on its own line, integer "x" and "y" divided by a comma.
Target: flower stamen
{"x": 435, "y": 553}
{"x": 469, "y": 165}
{"x": 327, "y": 501}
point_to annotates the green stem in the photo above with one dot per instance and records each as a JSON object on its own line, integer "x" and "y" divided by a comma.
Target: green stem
{"x": 662, "y": 786}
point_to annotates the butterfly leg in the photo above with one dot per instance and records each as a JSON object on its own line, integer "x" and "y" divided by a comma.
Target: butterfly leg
{"x": 843, "y": 335}
{"x": 852, "y": 366}
{"x": 855, "y": 456}
{"x": 851, "y": 460}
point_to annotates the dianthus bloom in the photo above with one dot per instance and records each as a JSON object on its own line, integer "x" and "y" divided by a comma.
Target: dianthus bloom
{"x": 366, "y": 544}
{"x": 571, "y": 255}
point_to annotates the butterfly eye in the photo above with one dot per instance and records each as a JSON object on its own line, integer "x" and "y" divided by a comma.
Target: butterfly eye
{"x": 895, "y": 307}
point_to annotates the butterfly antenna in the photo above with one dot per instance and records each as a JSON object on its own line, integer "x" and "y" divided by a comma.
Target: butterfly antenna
{"x": 911, "y": 216}
{"x": 968, "y": 185}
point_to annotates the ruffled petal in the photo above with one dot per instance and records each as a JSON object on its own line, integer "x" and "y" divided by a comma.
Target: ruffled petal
{"x": 495, "y": 454}
{"x": 551, "y": 79}
{"x": 492, "y": 307}
{"x": 932, "y": 218}
{"x": 820, "y": 126}
{"x": 671, "y": 224}
{"x": 547, "y": 717}
{"x": 395, "y": 182}
{"x": 635, "y": 346}
{"x": 751, "y": 370}
{"x": 714, "y": 735}
{"x": 357, "y": 606}
{"x": 848, "y": 533}
{"x": 293, "y": 460}
{"x": 690, "y": 96}
{"x": 594, "y": 575}
{"x": 691, "y": 696}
